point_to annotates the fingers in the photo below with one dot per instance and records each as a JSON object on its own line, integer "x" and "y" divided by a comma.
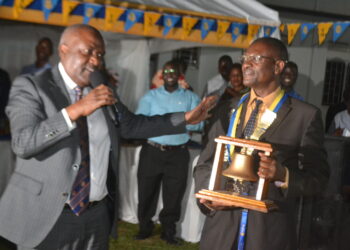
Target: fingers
{"x": 98, "y": 97}
{"x": 267, "y": 167}
{"x": 213, "y": 205}
{"x": 270, "y": 169}
{"x": 102, "y": 95}
{"x": 209, "y": 102}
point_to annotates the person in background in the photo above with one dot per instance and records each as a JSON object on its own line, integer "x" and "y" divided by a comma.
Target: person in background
{"x": 289, "y": 77}
{"x": 5, "y": 85}
{"x": 63, "y": 193}
{"x": 297, "y": 167}
{"x": 335, "y": 109}
{"x": 164, "y": 159}
{"x": 43, "y": 52}
{"x": 340, "y": 125}
{"x": 235, "y": 88}
{"x": 218, "y": 84}
{"x": 157, "y": 80}
{"x": 228, "y": 101}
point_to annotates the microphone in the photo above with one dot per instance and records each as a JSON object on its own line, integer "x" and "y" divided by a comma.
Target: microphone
{"x": 97, "y": 78}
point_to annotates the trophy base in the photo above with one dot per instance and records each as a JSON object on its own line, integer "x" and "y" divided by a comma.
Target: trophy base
{"x": 233, "y": 199}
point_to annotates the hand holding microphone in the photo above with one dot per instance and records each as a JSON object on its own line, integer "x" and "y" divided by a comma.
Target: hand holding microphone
{"x": 99, "y": 97}
{"x": 97, "y": 78}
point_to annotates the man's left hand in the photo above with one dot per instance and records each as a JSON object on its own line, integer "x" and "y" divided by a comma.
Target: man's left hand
{"x": 270, "y": 169}
{"x": 200, "y": 112}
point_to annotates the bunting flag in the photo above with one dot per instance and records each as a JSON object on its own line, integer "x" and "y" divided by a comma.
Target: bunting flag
{"x": 237, "y": 30}
{"x": 282, "y": 27}
{"x": 323, "y": 29}
{"x": 150, "y": 19}
{"x": 338, "y": 29}
{"x": 1, "y": 2}
{"x": 90, "y": 11}
{"x": 292, "y": 31}
{"x": 187, "y": 25}
{"x": 132, "y": 16}
{"x": 268, "y": 30}
{"x": 47, "y": 7}
{"x": 19, "y": 6}
{"x": 222, "y": 28}
{"x": 305, "y": 29}
{"x": 112, "y": 15}
{"x": 253, "y": 30}
{"x": 169, "y": 22}
{"x": 206, "y": 25}
{"x": 67, "y": 8}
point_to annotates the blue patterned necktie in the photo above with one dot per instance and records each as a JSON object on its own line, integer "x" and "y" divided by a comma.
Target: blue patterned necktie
{"x": 249, "y": 128}
{"x": 79, "y": 198}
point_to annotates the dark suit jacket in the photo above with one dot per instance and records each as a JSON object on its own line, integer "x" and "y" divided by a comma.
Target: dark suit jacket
{"x": 297, "y": 138}
{"x": 48, "y": 154}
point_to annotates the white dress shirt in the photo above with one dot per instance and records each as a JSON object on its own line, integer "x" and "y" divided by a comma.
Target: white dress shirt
{"x": 99, "y": 141}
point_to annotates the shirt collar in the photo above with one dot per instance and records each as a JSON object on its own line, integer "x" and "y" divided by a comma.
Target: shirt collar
{"x": 267, "y": 100}
{"x": 67, "y": 80}
{"x": 177, "y": 90}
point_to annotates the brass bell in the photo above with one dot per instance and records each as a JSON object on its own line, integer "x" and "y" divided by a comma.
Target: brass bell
{"x": 241, "y": 168}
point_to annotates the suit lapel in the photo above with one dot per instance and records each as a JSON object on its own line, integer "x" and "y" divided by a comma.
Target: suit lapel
{"x": 281, "y": 115}
{"x": 239, "y": 130}
{"x": 58, "y": 90}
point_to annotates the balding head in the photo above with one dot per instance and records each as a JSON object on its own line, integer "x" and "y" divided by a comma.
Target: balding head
{"x": 262, "y": 64}
{"x": 81, "y": 50}
{"x": 276, "y": 45}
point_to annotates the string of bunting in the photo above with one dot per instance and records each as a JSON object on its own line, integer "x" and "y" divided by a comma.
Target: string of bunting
{"x": 164, "y": 24}
{"x": 112, "y": 16}
{"x": 323, "y": 29}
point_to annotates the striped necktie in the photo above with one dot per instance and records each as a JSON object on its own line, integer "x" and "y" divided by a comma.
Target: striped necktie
{"x": 249, "y": 128}
{"x": 79, "y": 198}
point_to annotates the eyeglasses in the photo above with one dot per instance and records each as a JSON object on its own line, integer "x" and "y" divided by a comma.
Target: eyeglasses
{"x": 256, "y": 58}
{"x": 168, "y": 71}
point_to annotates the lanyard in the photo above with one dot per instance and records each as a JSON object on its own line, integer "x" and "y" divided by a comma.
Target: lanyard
{"x": 275, "y": 106}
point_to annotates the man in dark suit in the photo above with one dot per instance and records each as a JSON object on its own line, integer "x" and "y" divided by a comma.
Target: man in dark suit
{"x": 297, "y": 167}
{"x": 63, "y": 192}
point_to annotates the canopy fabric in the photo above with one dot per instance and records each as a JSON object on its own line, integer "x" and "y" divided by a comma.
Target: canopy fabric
{"x": 251, "y": 10}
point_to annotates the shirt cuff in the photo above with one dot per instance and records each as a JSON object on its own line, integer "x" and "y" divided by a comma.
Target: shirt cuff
{"x": 285, "y": 184}
{"x": 71, "y": 125}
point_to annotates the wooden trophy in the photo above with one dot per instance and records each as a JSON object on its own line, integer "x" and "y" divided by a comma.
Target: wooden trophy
{"x": 241, "y": 169}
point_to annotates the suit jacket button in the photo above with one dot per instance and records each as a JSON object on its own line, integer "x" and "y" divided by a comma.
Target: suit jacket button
{"x": 65, "y": 194}
{"x": 76, "y": 167}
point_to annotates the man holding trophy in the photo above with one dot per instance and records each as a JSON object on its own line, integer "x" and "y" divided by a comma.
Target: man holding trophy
{"x": 296, "y": 167}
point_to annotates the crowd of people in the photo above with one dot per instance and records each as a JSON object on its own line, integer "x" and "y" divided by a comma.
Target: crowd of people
{"x": 66, "y": 128}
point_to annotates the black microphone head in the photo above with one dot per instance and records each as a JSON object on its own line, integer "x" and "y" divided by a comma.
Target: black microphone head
{"x": 97, "y": 78}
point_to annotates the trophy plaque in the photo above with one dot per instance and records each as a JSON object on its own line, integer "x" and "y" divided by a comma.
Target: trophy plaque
{"x": 240, "y": 169}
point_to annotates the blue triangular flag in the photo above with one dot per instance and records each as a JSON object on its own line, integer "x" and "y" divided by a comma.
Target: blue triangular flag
{"x": 90, "y": 10}
{"x": 305, "y": 29}
{"x": 338, "y": 29}
{"x": 268, "y": 30}
{"x": 132, "y": 17}
{"x": 169, "y": 22}
{"x": 1, "y": 2}
{"x": 237, "y": 29}
{"x": 47, "y": 7}
{"x": 206, "y": 25}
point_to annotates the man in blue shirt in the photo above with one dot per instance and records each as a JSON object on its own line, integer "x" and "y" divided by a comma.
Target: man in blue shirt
{"x": 164, "y": 159}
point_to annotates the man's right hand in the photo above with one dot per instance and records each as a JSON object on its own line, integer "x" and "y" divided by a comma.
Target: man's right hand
{"x": 215, "y": 205}
{"x": 98, "y": 97}
{"x": 200, "y": 113}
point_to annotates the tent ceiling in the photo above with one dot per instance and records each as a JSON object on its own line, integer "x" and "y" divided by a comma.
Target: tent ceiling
{"x": 250, "y": 10}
